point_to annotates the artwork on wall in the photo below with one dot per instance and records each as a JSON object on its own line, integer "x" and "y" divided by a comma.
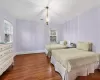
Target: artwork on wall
{"x": 53, "y": 36}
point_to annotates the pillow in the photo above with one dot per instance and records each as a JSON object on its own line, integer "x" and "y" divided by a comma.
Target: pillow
{"x": 63, "y": 42}
{"x": 87, "y": 46}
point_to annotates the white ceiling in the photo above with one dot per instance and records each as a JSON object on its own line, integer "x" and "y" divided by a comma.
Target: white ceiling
{"x": 59, "y": 10}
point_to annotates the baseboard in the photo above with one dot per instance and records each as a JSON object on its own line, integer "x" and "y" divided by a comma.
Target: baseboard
{"x": 30, "y": 52}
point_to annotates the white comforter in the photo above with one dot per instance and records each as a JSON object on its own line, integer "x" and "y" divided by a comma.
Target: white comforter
{"x": 72, "y": 58}
{"x": 51, "y": 47}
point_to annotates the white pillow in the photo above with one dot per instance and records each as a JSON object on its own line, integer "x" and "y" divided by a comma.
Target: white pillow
{"x": 84, "y": 46}
{"x": 63, "y": 42}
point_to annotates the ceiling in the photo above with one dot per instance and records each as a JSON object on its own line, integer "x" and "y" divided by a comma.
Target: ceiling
{"x": 59, "y": 10}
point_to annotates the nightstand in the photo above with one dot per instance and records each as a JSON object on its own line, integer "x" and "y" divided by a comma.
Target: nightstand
{"x": 72, "y": 45}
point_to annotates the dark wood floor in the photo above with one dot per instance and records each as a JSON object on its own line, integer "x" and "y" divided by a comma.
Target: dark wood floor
{"x": 37, "y": 67}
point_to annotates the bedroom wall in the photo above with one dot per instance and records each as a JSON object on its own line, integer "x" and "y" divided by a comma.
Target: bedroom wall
{"x": 32, "y": 36}
{"x": 4, "y": 15}
{"x": 71, "y": 30}
{"x": 85, "y": 28}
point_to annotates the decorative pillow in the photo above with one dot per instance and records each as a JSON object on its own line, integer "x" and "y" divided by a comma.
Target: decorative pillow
{"x": 63, "y": 42}
{"x": 84, "y": 46}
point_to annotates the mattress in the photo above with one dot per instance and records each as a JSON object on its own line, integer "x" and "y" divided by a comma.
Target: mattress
{"x": 72, "y": 58}
{"x": 51, "y": 47}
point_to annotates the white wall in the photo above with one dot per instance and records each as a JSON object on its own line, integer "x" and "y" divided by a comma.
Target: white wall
{"x": 29, "y": 36}
{"x": 85, "y": 28}
{"x": 32, "y": 36}
{"x": 71, "y": 30}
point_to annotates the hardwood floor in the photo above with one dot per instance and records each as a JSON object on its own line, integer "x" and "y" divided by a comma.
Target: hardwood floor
{"x": 31, "y": 67}
{"x": 37, "y": 67}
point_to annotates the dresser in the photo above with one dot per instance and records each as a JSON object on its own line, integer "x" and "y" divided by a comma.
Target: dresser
{"x": 6, "y": 57}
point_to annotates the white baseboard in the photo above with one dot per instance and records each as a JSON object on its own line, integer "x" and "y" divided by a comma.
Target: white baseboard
{"x": 30, "y": 52}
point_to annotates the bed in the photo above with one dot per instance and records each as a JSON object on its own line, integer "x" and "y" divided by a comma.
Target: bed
{"x": 50, "y": 47}
{"x": 74, "y": 62}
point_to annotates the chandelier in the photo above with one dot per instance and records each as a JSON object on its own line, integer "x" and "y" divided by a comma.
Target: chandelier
{"x": 47, "y": 18}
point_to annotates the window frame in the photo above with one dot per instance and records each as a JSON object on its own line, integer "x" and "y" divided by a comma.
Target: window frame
{"x": 52, "y": 35}
{"x": 8, "y": 32}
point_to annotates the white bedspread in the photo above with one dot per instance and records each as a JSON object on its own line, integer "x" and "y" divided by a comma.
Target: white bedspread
{"x": 51, "y": 47}
{"x": 73, "y": 74}
{"x": 72, "y": 58}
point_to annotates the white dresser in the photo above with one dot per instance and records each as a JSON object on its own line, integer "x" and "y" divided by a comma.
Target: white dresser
{"x": 6, "y": 57}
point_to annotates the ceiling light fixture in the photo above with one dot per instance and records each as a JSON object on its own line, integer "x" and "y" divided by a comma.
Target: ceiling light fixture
{"x": 47, "y": 18}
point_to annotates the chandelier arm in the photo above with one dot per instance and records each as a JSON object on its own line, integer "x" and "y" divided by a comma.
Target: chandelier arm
{"x": 49, "y": 2}
{"x": 57, "y": 14}
{"x": 47, "y": 14}
{"x": 39, "y": 13}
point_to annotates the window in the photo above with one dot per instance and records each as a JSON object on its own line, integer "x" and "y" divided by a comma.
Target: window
{"x": 53, "y": 36}
{"x": 8, "y": 32}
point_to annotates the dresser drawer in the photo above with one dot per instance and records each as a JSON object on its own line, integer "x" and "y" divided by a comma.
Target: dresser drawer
{"x": 5, "y": 46}
{"x": 6, "y": 58}
{"x": 3, "y": 53}
{"x": 5, "y": 65}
